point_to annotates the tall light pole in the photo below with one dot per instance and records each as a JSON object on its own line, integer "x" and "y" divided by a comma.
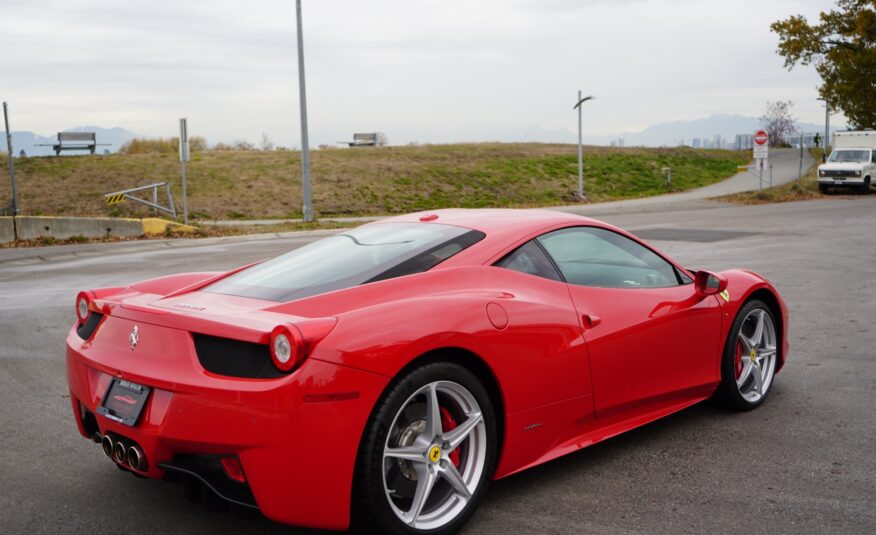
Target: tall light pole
{"x": 307, "y": 209}
{"x": 580, "y": 144}
{"x": 826, "y": 129}
{"x": 11, "y": 164}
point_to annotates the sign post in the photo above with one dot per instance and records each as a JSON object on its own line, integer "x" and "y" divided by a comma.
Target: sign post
{"x": 761, "y": 154}
{"x": 183, "y": 158}
{"x": 11, "y": 164}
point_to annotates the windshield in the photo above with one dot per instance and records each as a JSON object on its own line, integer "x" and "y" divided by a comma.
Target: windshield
{"x": 358, "y": 256}
{"x": 849, "y": 156}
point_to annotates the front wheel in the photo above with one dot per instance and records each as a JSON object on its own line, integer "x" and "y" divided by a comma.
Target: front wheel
{"x": 865, "y": 187}
{"x": 750, "y": 356}
{"x": 427, "y": 454}
{"x": 823, "y": 188}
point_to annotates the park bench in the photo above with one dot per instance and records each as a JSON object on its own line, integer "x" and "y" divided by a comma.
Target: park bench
{"x": 367, "y": 140}
{"x": 75, "y": 141}
{"x": 364, "y": 140}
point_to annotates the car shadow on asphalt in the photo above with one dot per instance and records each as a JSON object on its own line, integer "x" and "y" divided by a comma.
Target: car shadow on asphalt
{"x": 516, "y": 488}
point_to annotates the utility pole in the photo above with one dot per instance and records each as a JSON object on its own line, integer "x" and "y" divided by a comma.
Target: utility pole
{"x": 800, "y": 172}
{"x": 307, "y": 209}
{"x": 580, "y": 145}
{"x": 183, "y": 158}
{"x": 11, "y": 164}
{"x": 826, "y": 129}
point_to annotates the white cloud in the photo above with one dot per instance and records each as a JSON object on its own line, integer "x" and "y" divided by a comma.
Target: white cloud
{"x": 417, "y": 69}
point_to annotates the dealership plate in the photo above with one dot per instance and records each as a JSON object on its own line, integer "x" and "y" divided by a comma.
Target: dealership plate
{"x": 124, "y": 401}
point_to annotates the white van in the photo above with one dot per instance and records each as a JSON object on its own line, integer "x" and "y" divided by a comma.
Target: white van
{"x": 852, "y": 162}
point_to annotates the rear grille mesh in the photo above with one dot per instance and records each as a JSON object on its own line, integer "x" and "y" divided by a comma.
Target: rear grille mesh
{"x": 235, "y": 358}
{"x": 86, "y": 330}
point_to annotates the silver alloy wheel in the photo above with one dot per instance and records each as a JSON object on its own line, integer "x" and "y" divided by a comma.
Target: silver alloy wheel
{"x": 420, "y": 452}
{"x": 756, "y": 349}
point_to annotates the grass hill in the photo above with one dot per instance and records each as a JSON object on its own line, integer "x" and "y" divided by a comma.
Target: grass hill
{"x": 240, "y": 184}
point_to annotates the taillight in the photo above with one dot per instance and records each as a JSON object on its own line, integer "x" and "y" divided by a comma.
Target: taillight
{"x": 83, "y": 305}
{"x": 287, "y": 347}
{"x": 291, "y": 343}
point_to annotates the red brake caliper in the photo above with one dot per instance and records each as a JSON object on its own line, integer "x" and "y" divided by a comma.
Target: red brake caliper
{"x": 738, "y": 360}
{"x": 448, "y": 423}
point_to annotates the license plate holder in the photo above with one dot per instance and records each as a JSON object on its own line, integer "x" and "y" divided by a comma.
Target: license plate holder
{"x": 124, "y": 401}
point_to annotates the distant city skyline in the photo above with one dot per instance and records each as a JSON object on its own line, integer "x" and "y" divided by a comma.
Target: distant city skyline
{"x": 699, "y": 133}
{"x": 426, "y": 71}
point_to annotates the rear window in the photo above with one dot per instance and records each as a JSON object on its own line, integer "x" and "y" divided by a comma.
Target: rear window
{"x": 358, "y": 256}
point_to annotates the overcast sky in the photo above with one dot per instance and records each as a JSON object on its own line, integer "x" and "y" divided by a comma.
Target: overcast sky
{"x": 424, "y": 70}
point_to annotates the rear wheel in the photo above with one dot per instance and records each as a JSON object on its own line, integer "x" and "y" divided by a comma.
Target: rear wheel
{"x": 427, "y": 453}
{"x": 750, "y": 357}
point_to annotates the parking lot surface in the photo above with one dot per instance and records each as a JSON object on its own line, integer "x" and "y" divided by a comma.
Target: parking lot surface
{"x": 802, "y": 463}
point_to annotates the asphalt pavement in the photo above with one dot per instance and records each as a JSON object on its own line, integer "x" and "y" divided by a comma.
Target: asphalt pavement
{"x": 802, "y": 463}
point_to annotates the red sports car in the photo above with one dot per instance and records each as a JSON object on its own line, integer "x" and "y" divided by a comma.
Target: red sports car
{"x": 382, "y": 376}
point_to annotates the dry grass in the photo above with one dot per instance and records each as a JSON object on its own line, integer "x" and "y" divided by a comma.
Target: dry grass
{"x": 385, "y": 180}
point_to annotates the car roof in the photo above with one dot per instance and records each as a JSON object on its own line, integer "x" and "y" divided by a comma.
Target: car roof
{"x": 491, "y": 220}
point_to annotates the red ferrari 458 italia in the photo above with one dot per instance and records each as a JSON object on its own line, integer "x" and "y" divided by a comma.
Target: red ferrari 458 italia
{"x": 382, "y": 376}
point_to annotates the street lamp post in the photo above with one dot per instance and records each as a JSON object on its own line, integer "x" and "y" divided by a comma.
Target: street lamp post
{"x": 580, "y": 144}
{"x": 307, "y": 209}
{"x": 826, "y": 129}
{"x": 11, "y": 163}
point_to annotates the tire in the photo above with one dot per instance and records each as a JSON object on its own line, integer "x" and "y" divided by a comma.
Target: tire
{"x": 749, "y": 355}
{"x": 386, "y": 488}
{"x": 864, "y": 188}
{"x": 822, "y": 188}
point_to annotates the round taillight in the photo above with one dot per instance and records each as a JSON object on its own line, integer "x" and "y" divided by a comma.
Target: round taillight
{"x": 282, "y": 349}
{"x": 285, "y": 347}
{"x": 82, "y": 305}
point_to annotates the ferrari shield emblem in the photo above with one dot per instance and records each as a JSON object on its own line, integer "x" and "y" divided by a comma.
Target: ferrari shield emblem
{"x": 725, "y": 295}
{"x": 134, "y": 337}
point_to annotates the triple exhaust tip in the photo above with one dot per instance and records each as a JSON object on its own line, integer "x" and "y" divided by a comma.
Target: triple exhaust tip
{"x": 136, "y": 459}
{"x": 131, "y": 456}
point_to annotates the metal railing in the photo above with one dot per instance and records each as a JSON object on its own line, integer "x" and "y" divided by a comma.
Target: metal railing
{"x": 123, "y": 195}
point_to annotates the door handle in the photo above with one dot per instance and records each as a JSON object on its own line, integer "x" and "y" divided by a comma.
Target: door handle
{"x": 590, "y": 320}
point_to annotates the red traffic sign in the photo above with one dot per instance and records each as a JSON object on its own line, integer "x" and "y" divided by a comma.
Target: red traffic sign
{"x": 761, "y": 137}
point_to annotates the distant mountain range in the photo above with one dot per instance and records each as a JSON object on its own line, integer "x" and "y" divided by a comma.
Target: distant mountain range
{"x": 663, "y": 134}
{"x": 29, "y": 142}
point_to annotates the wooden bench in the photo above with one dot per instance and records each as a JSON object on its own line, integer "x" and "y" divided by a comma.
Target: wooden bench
{"x": 364, "y": 140}
{"x": 75, "y": 141}
{"x": 367, "y": 140}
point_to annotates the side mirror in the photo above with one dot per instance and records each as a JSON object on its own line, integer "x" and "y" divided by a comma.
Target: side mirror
{"x": 708, "y": 283}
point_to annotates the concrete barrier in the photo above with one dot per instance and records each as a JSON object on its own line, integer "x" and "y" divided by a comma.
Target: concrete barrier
{"x": 156, "y": 225}
{"x": 62, "y": 228}
{"x": 7, "y": 229}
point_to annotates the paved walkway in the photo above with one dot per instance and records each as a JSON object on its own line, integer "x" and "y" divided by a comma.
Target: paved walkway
{"x": 786, "y": 168}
